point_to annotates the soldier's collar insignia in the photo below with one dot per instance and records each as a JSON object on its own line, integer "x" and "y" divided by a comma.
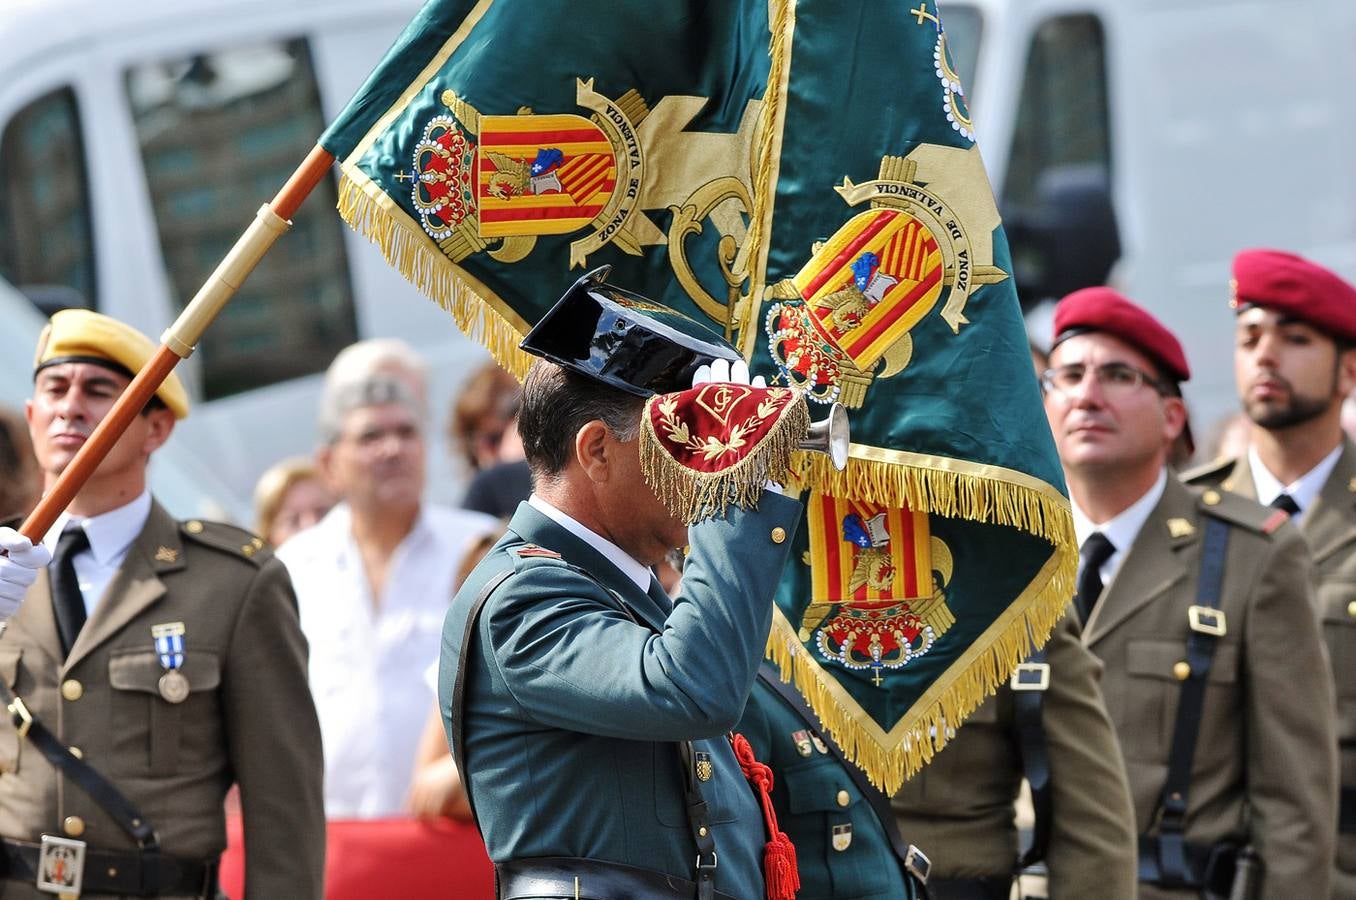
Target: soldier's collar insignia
{"x": 1180, "y": 528}
{"x": 166, "y": 555}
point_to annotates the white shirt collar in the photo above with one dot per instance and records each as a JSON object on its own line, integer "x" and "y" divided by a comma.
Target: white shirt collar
{"x": 628, "y": 565}
{"x": 1303, "y": 490}
{"x": 110, "y": 533}
{"x": 1122, "y": 528}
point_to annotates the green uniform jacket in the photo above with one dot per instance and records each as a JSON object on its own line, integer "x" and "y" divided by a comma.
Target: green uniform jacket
{"x": 959, "y": 809}
{"x": 842, "y": 850}
{"x": 248, "y": 717}
{"x": 1329, "y": 526}
{"x": 573, "y": 710}
{"x": 1266, "y": 744}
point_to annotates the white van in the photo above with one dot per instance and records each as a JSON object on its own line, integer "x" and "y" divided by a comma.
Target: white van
{"x": 1162, "y": 136}
{"x": 137, "y": 138}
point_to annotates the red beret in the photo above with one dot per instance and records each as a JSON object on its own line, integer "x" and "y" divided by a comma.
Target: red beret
{"x": 1107, "y": 311}
{"x": 1291, "y": 284}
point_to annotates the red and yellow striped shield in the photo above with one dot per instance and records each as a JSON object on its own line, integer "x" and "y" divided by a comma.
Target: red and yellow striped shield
{"x": 871, "y": 282}
{"x": 563, "y": 196}
{"x": 896, "y": 566}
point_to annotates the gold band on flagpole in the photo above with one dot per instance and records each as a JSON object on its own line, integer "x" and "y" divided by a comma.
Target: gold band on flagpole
{"x": 183, "y": 336}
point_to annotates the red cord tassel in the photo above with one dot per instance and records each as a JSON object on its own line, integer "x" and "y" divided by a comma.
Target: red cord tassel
{"x": 779, "y": 856}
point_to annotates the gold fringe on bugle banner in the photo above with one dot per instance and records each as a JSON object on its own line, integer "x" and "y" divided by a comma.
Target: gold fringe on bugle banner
{"x": 891, "y": 759}
{"x": 410, "y": 252}
{"x": 692, "y": 495}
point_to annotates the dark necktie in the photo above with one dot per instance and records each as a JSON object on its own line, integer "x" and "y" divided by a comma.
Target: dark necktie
{"x": 67, "y": 602}
{"x": 1286, "y": 502}
{"x": 1094, "y": 553}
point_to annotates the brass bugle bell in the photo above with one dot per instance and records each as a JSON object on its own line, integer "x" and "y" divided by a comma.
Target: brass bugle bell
{"x": 830, "y": 436}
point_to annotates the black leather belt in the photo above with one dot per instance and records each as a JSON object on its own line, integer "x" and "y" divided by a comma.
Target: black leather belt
{"x": 109, "y": 872}
{"x": 565, "y": 878}
{"x": 1347, "y": 817}
{"x": 998, "y": 887}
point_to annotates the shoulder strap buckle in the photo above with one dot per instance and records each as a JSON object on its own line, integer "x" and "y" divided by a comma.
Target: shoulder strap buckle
{"x": 1207, "y": 620}
{"x": 918, "y": 864}
{"x": 23, "y": 719}
{"x": 1031, "y": 676}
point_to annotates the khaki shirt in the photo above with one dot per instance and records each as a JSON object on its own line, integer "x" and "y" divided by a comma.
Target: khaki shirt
{"x": 248, "y": 717}
{"x": 1266, "y": 750}
{"x": 1329, "y": 526}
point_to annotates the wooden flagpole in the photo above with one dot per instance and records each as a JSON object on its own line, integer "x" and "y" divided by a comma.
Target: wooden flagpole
{"x": 180, "y": 339}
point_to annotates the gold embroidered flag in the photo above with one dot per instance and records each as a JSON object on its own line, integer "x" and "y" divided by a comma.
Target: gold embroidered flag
{"x": 802, "y": 175}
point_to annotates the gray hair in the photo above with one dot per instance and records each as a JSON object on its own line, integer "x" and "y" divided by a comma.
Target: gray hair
{"x": 342, "y": 398}
{"x": 390, "y": 357}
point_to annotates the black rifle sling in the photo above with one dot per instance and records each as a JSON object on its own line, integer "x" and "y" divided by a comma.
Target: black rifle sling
{"x": 1200, "y": 651}
{"x": 99, "y": 789}
{"x": 1027, "y": 712}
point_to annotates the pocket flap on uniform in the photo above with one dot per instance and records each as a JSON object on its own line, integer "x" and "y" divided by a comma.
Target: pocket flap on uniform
{"x": 9, "y": 665}
{"x": 1337, "y": 599}
{"x": 1161, "y": 659}
{"x": 820, "y": 786}
{"x": 140, "y": 670}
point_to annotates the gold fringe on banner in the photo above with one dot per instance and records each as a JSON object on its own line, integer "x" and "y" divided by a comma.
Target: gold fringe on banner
{"x": 692, "y": 495}
{"x": 944, "y": 487}
{"x": 412, "y": 253}
{"x": 890, "y": 759}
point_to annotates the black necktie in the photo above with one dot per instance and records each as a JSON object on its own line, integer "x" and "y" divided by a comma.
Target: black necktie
{"x": 67, "y": 602}
{"x": 1286, "y": 502}
{"x": 1094, "y": 553}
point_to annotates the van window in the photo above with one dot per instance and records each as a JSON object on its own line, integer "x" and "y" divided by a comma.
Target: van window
{"x": 219, "y": 133}
{"x": 1062, "y": 118}
{"x": 46, "y": 237}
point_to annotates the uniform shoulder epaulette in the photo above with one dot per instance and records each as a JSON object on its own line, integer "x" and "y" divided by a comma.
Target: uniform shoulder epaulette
{"x": 1209, "y": 473}
{"x": 227, "y": 538}
{"x": 1240, "y": 510}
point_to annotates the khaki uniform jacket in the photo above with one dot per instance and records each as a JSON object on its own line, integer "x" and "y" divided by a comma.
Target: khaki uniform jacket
{"x": 1329, "y": 526}
{"x": 1266, "y": 746}
{"x": 248, "y": 718}
{"x": 959, "y": 809}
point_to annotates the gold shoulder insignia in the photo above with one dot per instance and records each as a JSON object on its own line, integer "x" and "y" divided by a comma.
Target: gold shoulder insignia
{"x": 1240, "y": 511}
{"x": 237, "y": 542}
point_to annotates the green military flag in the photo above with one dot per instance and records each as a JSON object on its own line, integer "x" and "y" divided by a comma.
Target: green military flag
{"x": 803, "y": 175}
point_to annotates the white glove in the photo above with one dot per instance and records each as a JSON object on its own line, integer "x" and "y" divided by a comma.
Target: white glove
{"x": 733, "y": 373}
{"x": 723, "y": 370}
{"x": 18, "y": 568}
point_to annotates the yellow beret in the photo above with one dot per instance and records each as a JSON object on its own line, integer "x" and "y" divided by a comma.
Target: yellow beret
{"x": 80, "y": 335}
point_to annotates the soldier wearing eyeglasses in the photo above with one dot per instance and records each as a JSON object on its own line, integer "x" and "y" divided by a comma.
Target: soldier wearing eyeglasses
{"x": 1294, "y": 363}
{"x": 1200, "y": 606}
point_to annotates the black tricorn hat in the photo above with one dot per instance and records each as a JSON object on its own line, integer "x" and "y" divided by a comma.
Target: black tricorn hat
{"x": 624, "y": 340}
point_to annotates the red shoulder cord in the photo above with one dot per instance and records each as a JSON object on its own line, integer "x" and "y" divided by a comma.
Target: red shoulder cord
{"x": 779, "y": 856}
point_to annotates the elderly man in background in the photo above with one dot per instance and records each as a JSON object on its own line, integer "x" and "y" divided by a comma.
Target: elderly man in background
{"x": 374, "y": 579}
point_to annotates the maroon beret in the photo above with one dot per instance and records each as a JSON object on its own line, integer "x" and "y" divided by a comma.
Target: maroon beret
{"x": 1104, "y": 310}
{"x": 1291, "y": 284}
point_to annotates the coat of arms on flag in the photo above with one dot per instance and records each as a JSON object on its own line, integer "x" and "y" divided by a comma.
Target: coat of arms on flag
{"x": 835, "y": 221}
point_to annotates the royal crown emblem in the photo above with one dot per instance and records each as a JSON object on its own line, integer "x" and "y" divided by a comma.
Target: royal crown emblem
{"x": 504, "y": 180}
